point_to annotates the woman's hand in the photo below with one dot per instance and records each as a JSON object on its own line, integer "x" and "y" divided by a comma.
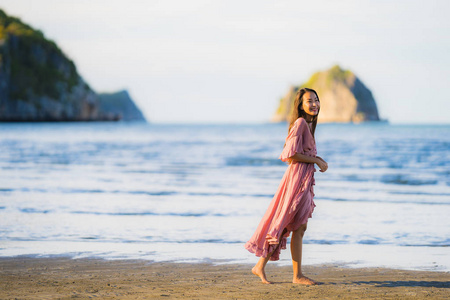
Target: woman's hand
{"x": 322, "y": 164}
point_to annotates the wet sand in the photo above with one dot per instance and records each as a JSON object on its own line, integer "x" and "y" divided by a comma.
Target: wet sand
{"x": 50, "y": 278}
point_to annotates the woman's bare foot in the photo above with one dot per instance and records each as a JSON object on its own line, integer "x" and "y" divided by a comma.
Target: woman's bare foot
{"x": 304, "y": 280}
{"x": 261, "y": 274}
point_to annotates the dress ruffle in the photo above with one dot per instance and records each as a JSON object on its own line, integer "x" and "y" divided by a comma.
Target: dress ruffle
{"x": 289, "y": 214}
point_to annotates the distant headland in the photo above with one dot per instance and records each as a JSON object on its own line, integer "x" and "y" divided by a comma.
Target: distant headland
{"x": 38, "y": 82}
{"x": 343, "y": 97}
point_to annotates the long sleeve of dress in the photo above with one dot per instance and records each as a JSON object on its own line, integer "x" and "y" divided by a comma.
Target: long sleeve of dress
{"x": 294, "y": 140}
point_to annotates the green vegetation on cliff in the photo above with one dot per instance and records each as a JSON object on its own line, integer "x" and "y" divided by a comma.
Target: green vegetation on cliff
{"x": 34, "y": 62}
{"x": 334, "y": 74}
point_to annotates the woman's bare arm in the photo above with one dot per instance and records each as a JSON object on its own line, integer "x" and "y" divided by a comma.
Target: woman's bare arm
{"x": 304, "y": 158}
{"x": 322, "y": 164}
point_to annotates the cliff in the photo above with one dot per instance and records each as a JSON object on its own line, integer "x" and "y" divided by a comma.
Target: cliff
{"x": 38, "y": 82}
{"x": 120, "y": 104}
{"x": 343, "y": 98}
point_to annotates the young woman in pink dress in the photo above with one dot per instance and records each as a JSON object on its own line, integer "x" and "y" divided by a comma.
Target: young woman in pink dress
{"x": 293, "y": 202}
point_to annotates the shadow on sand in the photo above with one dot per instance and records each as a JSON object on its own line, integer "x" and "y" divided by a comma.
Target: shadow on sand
{"x": 437, "y": 284}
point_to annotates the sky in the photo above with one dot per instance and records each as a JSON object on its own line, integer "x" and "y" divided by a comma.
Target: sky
{"x": 230, "y": 61}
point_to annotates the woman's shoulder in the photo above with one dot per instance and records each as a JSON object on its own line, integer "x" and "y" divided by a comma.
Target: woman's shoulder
{"x": 300, "y": 122}
{"x": 298, "y": 126}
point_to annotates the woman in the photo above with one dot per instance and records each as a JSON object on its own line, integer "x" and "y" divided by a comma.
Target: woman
{"x": 293, "y": 202}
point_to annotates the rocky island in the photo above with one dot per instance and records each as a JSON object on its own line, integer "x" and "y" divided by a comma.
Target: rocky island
{"x": 38, "y": 82}
{"x": 120, "y": 105}
{"x": 343, "y": 97}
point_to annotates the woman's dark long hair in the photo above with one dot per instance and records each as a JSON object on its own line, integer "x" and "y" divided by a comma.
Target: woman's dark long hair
{"x": 297, "y": 112}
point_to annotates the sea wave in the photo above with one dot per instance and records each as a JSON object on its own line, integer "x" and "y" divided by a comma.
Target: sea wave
{"x": 149, "y": 213}
{"x": 253, "y": 161}
{"x": 29, "y": 210}
{"x": 394, "y": 201}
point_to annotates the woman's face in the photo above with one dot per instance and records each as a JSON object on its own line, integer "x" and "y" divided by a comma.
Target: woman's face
{"x": 310, "y": 103}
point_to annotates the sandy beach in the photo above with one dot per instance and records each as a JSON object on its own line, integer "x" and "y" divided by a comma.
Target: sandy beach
{"x": 50, "y": 278}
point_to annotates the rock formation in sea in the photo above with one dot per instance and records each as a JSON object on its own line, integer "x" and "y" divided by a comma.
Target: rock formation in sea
{"x": 38, "y": 82}
{"x": 120, "y": 104}
{"x": 343, "y": 98}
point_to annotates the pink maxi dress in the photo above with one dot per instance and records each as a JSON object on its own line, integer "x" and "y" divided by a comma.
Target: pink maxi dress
{"x": 293, "y": 202}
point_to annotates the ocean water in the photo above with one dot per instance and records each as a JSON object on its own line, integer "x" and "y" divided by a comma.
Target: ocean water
{"x": 190, "y": 193}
